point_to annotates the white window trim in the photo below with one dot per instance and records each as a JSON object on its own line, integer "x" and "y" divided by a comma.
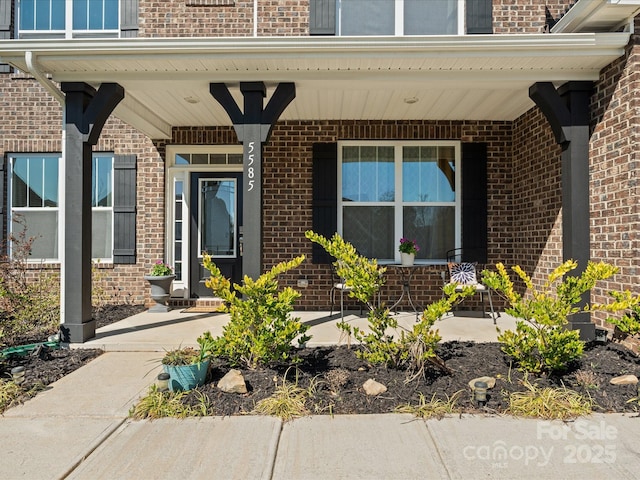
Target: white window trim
{"x": 398, "y": 203}
{"x": 174, "y": 173}
{"x": 59, "y": 208}
{"x": 68, "y": 31}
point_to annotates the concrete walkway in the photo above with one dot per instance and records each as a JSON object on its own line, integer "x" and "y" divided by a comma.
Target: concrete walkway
{"x": 79, "y": 427}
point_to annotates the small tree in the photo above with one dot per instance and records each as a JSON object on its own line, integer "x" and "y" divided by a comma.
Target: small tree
{"x": 541, "y": 341}
{"x": 261, "y": 329}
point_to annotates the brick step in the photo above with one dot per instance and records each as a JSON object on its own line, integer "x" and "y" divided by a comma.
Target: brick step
{"x": 204, "y": 305}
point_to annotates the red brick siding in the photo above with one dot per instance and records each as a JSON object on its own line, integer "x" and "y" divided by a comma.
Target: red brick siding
{"x": 536, "y": 199}
{"x": 526, "y": 16}
{"x": 615, "y": 167}
{"x": 224, "y": 19}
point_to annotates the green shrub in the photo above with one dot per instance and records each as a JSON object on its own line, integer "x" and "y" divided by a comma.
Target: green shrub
{"x": 157, "y": 404}
{"x": 414, "y": 348}
{"x": 29, "y": 304}
{"x": 629, "y": 323}
{"x": 261, "y": 328}
{"x": 541, "y": 341}
{"x": 549, "y": 403}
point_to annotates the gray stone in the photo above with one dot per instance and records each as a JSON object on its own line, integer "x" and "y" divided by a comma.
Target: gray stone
{"x": 624, "y": 380}
{"x": 490, "y": 381}
{"x": 371, "y": 387}
{"x": 233, "y": 382}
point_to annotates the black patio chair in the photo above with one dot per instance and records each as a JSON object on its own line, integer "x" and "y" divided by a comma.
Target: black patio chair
{"x": 463, "y": 274}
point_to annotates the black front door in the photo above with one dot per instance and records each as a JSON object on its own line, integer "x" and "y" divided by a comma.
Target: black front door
{"x": 216, "y": 219}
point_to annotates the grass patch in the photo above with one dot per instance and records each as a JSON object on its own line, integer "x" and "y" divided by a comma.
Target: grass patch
{"x": 548, "y": 403}
{"x": 10, "y": 395}
{"x": 434, "y": 408}
{"x": 288, "y": 401}
{"x": 168, "y": 404}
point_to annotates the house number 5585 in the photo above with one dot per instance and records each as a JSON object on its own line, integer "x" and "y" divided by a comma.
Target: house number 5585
{"x": 250, "y": 168}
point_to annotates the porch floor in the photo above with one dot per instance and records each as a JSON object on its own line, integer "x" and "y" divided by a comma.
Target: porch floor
{"x": 165, "y": 331}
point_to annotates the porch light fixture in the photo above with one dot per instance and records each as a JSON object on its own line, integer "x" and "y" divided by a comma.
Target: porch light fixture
{"x": 192, "y": 100}
{"x": 410, "y": 100}
{"x": 480, "y": 393}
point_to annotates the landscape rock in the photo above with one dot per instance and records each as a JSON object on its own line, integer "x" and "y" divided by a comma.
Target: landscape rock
{"x": 490, "y": 381}
{"x": 373, "y": 388}
{"x": 624, "y": 380}
{"x": 233, "y": 382}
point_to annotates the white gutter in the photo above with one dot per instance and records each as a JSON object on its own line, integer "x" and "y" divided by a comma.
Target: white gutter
{"x": 34, "y": 69}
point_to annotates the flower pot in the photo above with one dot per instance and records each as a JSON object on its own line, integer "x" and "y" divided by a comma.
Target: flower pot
{"x": 407, "y": 258}
{"x": 160, "y": 291}
{"x": 187, "y": 377}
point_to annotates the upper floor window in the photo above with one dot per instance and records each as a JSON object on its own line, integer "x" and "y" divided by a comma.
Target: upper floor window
{"x": 68, "y": 18}
{"x": 400, "y": 17}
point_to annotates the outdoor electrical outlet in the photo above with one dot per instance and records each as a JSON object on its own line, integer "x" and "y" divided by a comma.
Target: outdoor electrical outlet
{"x": 303, "y": 282}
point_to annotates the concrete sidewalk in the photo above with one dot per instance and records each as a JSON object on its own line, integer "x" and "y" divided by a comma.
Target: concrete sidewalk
{"x": 79, "y": 428}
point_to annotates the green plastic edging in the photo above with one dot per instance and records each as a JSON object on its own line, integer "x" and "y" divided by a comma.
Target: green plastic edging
{"x": 22, "y": 350}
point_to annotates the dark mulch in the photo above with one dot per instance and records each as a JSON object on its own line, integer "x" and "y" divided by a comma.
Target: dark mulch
{"x": 45, "y": 365}
{"x": 467, "y": 360}
{"x": 327, "y": 365}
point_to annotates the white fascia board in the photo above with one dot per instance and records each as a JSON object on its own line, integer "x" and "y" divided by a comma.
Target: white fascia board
{"x": 528, "y": 44}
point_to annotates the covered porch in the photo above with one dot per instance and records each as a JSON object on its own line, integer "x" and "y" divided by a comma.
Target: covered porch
{"x": 160, "y": 85}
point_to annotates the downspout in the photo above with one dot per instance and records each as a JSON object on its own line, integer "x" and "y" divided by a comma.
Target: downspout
{"x": 49, "y": 86}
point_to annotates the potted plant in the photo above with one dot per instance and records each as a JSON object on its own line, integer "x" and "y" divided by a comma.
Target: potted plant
{"x": 160, "y": 279}
{"x": 408, "y": 249}
{"x": 188, "y": 366}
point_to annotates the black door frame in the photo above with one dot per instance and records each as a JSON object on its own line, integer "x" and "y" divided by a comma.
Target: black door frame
{"x": 230, "y": 267}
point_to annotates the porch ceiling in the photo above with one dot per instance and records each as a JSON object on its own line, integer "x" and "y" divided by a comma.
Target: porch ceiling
{"x": 166, "y": 81}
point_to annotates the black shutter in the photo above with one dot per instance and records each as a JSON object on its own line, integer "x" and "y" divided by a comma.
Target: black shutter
{"x": 124, "y": 209}
{"x": 479, "y": 15}
{"x": 129, "y": 18}
{"x": 3, "y": 235}
{"x": 5, "y": 28}
{"x": 474, "y": 202}
{"x": 325, "y": 196}
{"x": 322, "y": 17}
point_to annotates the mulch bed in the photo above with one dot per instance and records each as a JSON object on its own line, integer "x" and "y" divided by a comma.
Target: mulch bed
{"x": 339, "y": 375}
{"x": 467, "y": 360}
{"x": 46, "y": 365}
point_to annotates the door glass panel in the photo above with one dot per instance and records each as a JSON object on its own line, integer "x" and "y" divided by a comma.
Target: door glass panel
{"x": 217, "y": 217}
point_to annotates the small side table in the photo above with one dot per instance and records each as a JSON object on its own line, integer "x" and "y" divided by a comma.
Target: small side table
{"x": 406, "y": 273}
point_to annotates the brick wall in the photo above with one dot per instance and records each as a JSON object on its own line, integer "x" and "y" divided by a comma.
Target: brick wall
{"x": 526, "y": 16}
{"x": 536, "y": 202}
{"x": 228, "y": 18}
{"x": 287, "y": 195}
{"x": 615, "y": 168}
{"x": 235, "y": 18}
{"x": 288, "y": 183}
